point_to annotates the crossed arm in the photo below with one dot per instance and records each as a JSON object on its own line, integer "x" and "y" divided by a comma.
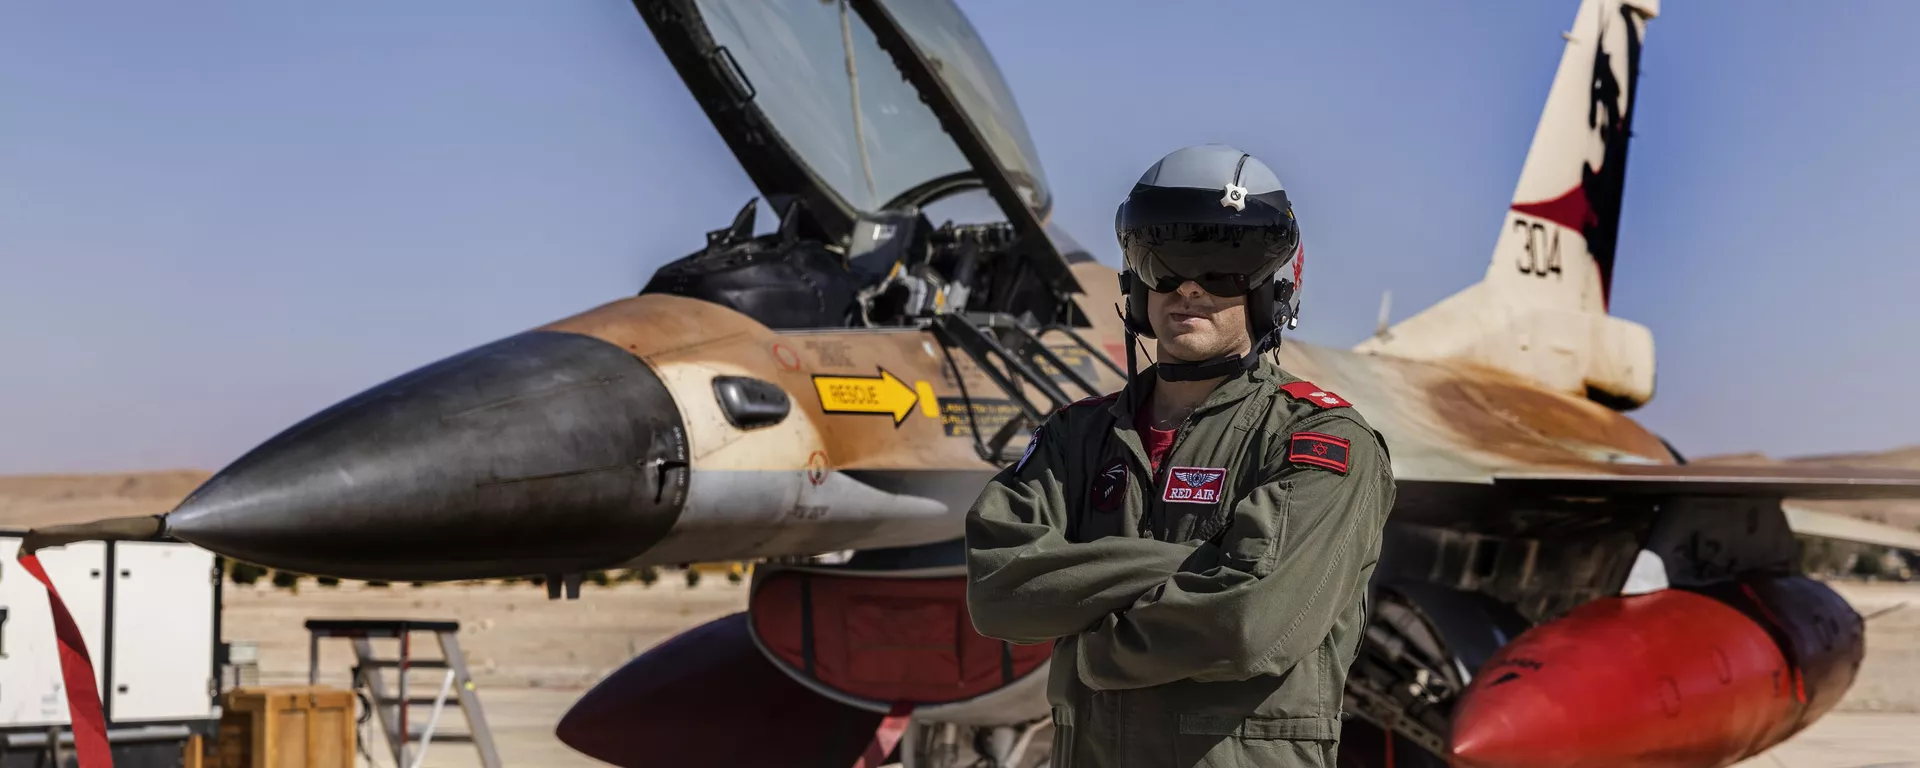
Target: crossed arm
{"x": 1298, "y": 550}
{"x": 1026, "y": 583}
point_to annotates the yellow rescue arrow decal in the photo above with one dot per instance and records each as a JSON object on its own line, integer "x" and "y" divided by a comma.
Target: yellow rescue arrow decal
{"x": 885, "y": 394}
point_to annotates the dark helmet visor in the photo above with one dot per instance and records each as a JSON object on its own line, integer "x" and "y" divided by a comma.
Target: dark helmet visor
{"x": 1224, "y": 269}
{"x": 1174, "y": 235}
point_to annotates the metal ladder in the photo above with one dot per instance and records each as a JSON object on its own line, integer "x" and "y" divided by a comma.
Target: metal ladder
{"x": 394, "y": 710}
{"x": 1011, "y": 355}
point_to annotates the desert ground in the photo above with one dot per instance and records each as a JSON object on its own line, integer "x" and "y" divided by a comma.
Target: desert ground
{"x": 532, "y": 657}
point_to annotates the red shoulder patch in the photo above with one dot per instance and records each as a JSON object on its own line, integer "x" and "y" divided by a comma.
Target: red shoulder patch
{"x": 1319, "y": 450}
{"x": 1312, "y": 393}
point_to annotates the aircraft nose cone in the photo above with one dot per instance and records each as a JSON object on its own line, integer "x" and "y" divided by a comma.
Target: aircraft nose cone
{"x": 543, "y": 452}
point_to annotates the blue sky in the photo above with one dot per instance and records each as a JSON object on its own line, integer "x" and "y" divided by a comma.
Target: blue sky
{"x": 217, "y": 218}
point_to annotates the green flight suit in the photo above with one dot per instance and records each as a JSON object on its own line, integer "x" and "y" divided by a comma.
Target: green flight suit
{"x": 1189, "y": 632}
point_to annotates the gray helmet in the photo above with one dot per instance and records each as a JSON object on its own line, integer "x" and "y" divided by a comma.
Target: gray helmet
{"x": 1219, "y": 217}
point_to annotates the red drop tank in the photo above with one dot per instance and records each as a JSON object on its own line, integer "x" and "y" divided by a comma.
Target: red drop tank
{"x": 1673, "y": 678}
{"x": 710, "y": 698}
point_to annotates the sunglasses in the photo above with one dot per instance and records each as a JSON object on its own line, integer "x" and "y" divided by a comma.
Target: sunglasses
{"x": 1225, "y": 286}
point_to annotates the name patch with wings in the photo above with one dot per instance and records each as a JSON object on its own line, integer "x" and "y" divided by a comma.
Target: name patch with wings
{"x": 1318, "y": 450}
{"x": 1194, "y": 485}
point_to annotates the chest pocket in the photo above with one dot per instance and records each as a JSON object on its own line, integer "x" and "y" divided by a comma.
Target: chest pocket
{"x": 1196, "y": 491}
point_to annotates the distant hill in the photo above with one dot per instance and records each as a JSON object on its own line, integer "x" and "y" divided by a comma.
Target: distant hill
{"x": 27, "y": 501}
{"x": 1898, "y": 513}
{"x": 32, "y": 500}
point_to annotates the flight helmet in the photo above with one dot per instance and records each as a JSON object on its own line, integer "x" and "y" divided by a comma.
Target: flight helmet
{"x": 1219, "y": 217}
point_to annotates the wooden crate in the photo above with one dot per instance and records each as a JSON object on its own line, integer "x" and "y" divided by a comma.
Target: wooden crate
{"x": 286, "y": 727}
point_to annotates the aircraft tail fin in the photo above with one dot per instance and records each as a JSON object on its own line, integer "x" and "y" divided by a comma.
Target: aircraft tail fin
{"x": 1541, "y": 309}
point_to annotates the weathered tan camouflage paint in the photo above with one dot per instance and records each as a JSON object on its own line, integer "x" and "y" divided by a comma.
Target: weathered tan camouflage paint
{"x": 1441, "y": 421}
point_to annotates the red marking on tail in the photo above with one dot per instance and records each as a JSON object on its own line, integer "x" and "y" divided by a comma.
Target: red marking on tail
{"x": 1570, "y": 210}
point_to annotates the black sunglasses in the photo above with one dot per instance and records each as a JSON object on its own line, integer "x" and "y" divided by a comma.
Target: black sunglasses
{"x": 1225, "y": 286}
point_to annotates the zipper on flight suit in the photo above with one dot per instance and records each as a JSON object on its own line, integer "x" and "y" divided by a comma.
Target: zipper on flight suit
{"x": 1159, "y": 477}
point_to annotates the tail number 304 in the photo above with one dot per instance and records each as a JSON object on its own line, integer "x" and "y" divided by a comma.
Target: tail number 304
{"x": 1543, "y": 248}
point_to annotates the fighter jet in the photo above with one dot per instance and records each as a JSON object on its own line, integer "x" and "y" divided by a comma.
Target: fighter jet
{"x": 1558, "y": 586}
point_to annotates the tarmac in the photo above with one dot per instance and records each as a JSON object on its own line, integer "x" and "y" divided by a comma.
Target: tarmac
{"x": 532, "y": 658}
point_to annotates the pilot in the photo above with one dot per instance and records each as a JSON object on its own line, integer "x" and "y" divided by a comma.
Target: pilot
{"x": 1197, "y": 545}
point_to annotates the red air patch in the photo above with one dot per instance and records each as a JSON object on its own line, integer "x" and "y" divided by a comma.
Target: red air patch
{"x": 1194, "y": 485}
{"x": 1110, "y": 487}
{"x": 1308, "y": 391}
{"x": 1319, "y": 450}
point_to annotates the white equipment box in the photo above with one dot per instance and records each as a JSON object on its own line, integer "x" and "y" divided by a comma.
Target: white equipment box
{"x": 149, "y": 612}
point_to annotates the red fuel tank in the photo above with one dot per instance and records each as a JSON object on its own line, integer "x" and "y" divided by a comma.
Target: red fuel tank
{"x": 710, "y": 698}
{"x": 1673, "y": 678}
{"x": 874, "y": 641}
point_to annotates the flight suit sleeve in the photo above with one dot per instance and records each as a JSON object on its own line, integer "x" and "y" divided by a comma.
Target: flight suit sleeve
{"x": 1297, "y": 551}
{"x": 1026, "y": 583}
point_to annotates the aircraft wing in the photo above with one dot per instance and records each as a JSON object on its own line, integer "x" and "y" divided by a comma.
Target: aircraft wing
{"x": 1717, "y": 480}
{"x": 1827, "y": 525}
{"x": 1513, "y": 497}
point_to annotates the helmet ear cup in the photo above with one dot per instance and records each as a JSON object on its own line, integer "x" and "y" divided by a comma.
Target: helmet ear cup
{"x": 1262, "y": 312}
{"x": 1136, "y": 298}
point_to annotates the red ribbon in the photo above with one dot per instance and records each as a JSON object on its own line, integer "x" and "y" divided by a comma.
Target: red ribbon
{"x": 892, "y": 727}
{"x": 83, "y": 699}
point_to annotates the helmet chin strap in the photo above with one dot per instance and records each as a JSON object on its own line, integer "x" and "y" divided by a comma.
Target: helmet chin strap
{"x": 1226, "y": 365}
